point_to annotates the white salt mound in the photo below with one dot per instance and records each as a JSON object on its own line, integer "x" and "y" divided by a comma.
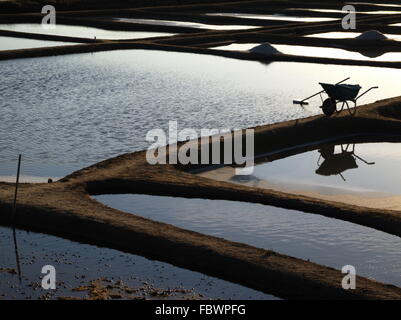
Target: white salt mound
{"x": 372, "y": 35}
{"x": 265, "y": 48}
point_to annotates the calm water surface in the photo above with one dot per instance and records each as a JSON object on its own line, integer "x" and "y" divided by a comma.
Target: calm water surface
{"x": 64, "y": 113}
{"x": 77, "y": 264}
{"x": 320, "y": 52}
{"x": 360, "y": 169}
{"x": 80, "y": 31}
{"x": 186, "y": 24}
{"x": 10, "y": 43}
{"x": 274, "y": 17}
{"x": 348, "y": 35}
{"x": 377, "y": 4}
{"x": 361, "y": 12}
{"x": 323, "y": 240}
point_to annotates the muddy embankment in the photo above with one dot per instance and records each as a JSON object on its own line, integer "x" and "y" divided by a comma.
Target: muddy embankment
{"x": 65, "y": 209}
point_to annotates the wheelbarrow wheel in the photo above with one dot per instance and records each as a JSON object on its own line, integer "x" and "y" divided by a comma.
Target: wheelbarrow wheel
{"x": 329, "y": 106}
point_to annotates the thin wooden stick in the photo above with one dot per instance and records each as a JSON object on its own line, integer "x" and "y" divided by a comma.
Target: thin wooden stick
{"x": 17, "y": 255}
{"x": 16, "y": 188}
{"x": 13, "y": 219}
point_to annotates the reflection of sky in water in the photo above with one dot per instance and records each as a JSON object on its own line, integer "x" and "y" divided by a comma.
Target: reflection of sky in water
{"x": 273, "y": 17}
{"x": 357, "y": 11}
{"x": 379, "y": 177}
{"x": 238, "y": 46}
{"x": 64, "y": 113}
{"x": 322, "y": 240}
{"x": 317, "y": 52}
{"x": 368, "y": 171}
{"x": 185, "y": 24}
{"x": 10, "y": 43}
{"x": 77, "y": 264}
{"x": 347, "y": 35}
{"x": 80, "y": 31}
{"x": 335, "y": 53}
{"x": 376, "y": 4}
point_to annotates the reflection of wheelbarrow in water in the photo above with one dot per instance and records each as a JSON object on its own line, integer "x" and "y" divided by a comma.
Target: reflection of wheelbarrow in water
{"x": 337, "y": 93}
{"x": 337, "y": 163}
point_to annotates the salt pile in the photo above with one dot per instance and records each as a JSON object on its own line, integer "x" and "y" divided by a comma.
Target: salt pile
{"x": 372, "y": 35}
{"x": 265, "y": 48}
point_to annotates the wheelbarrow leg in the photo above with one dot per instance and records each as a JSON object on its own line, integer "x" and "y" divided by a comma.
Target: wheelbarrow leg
{"x": 342, "y": 107}
{"x": 356, "y": 99}
{"x": 345, "y": 149}
{"x": 318, "y": 160}
{"x": 352, "y": 111}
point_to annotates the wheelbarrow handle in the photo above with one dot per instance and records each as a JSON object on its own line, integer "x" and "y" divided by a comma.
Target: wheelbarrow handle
{"x": 366, "y": 92}
{"x": 323, "y": 90}
{"x": 363, "y": 160}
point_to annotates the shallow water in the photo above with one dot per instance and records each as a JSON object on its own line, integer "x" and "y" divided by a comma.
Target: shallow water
{"x": 238, "y": 46}
{"x": 273, "y": 17}
{"x": 64, "y": 113}
{"x": 357, "y": 11}
{"x": 319, "y": 52}
{"x": 77, "y": 264}
{"x": 323, "y": 240}
{"x": 186, "y": 24}
{"x": 10, "y": 43}
{"x": 81, "y": 31}
{"x": 348, "y": 35}
{"x": 379, "y": 177}
{"x": 376, "y": 4}
{"x": 28, "y": 179}
{"x": 366, "y": 172}
{"x": 337, "y": 53}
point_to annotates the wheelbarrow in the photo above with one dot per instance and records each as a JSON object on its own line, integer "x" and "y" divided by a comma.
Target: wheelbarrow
{"x": 338, "y": 93}
{"x": 337, "y": 163}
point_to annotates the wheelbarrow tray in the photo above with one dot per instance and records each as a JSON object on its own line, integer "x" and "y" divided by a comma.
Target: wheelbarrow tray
{"x": 337, "y": 163}
{"x": 341, "y": 92}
